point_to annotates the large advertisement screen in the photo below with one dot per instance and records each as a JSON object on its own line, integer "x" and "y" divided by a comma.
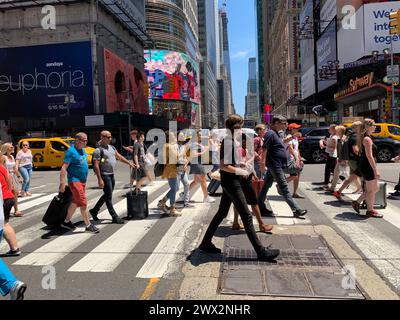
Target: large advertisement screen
{"x": 47, "y": 80}
{"x": 307, "y": 53}
{"x": 326, "y": 51}
{"x": 328, "y": 12}
{"x": 369, "y": 33}
{"x": 172, "y": 76}
{"x": 376, "y": 33}
{"x": 117, "y": 73}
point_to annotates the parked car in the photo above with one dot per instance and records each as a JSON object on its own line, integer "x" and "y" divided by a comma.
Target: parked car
{"x": 310, "y": 150}
{"x": 49, "y": 152}
{"x": 384, "y": 130}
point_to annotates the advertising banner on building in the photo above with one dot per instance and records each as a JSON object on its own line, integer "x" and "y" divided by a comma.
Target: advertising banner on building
{"x": 328, "y": 12}
{"x": 345, "y": 12}
{"x": 46, "y": 80}
{"x": 376, "y": 27}
{"x": 172, "y": 76}
{"x": 116, "y": 70}
{"x": 326, "y": 52}
{"x": 307, "y": 53}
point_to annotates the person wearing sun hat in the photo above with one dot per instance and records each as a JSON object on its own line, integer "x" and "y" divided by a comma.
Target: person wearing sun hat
{"x": 293, "y": 148}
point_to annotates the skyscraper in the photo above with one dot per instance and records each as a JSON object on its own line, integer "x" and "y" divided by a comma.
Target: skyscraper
{"x": 172, "y": 25}
{"x": 208, "y": 65}
{"x": 224, "y": 72}
{"x": 252, "y": 110}
{"x": 265, "y": 11}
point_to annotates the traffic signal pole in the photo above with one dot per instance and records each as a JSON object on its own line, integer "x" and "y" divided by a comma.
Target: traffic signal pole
{"x": 394, "y": 28}
{"x": 394, "y": 113}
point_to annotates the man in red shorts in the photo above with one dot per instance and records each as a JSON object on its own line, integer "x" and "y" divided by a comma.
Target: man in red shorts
{"x": 76, "y": 165}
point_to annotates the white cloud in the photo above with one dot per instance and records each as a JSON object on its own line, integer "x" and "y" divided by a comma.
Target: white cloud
{"x": 240, "y": 54}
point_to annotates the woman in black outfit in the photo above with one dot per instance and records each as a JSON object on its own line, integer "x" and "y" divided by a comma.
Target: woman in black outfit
{"x": 368, "y": 169}
{"x": 233, "y": 178}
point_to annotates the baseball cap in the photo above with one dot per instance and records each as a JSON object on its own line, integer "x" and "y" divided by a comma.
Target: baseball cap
{"x": 294, "y": 126}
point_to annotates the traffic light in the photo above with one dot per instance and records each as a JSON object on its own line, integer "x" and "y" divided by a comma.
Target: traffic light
{"x": 267, "y": 108}
{"x": 387, "y": 105}
{"x": 394, "y": 23}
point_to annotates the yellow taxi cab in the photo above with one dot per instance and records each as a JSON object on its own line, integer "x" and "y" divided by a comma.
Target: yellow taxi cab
{"x": 49, "y": 152}
{"x": 387, "y": 130}
{"x": 384, "y": 130}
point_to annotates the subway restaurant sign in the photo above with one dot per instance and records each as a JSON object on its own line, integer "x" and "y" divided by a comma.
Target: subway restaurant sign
{"x": 356, "y": 84}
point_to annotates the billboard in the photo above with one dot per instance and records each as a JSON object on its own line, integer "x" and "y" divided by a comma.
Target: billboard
{"x": 46, "y": 80}
{"x": 116, "y": 70}
{"x": 328, "y": 12}
{"x": 370, "y": 31}
{"x": 376, "y": 33}
{"x": 307, "y": 54}
{"x": 172, "y": 75}
{"x": 326, "y": 51}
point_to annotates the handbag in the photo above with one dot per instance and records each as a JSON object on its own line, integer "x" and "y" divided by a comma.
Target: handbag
{"x": 158, "y": 169}
{"x": 292, "y": 168}
{"x": 216, "y": 175}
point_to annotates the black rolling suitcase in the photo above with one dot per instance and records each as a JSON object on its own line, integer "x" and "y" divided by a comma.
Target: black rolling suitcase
{"x": 58, "y": 208}
{"x": 213, "y": 186}
{"x": 138, "y": 207}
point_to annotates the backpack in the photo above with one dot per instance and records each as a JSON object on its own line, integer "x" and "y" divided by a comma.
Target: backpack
{"x": 101, "y": 157}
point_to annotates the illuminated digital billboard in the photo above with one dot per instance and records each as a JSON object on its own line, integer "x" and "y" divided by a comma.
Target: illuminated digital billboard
{"x": 115, "y": 79}
{"x": 172, "y": 76}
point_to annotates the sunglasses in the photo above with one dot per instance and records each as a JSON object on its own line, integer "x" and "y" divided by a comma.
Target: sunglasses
{"x": 108, "y": 137}
{"x": 24, "y": 145}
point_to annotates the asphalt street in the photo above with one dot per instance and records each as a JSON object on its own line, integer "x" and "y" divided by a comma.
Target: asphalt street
{"x": 145, "y": 259}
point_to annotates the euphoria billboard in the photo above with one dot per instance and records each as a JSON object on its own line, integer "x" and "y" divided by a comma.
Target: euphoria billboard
{"x": 46, "y": 80}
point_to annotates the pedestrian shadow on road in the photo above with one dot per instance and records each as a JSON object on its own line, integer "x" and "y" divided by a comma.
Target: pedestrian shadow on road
{"x": 53, "y": 232}
{"x": 351, "y": 216}
{"x": 197, "y": 257}
{"x": 337, "y": 203}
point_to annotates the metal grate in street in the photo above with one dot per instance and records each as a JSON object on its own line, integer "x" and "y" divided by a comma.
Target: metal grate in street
{"x": 306, "y": 268}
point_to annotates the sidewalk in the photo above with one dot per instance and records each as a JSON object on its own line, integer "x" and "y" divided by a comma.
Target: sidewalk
{"x": 203, "y": 281}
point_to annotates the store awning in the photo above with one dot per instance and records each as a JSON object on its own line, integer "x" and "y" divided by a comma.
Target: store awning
{"x": 376, "y": 90}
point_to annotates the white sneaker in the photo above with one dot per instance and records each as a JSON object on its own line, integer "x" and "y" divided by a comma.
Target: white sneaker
{"x": 181, "y": 197}
{"x": 17, "y": 291}
{"x": 209, "y": 200}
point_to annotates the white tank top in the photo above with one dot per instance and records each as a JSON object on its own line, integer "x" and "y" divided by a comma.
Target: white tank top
{"x": 10, "y": 164}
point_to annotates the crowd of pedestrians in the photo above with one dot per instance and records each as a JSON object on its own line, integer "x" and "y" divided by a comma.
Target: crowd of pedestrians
{"x": 246, "y": 165}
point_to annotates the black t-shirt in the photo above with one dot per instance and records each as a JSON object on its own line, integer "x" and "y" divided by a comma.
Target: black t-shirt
{"x": 277, "y": 155}
{"x": 227, "y": 156}
{"x": 352, "y": 141}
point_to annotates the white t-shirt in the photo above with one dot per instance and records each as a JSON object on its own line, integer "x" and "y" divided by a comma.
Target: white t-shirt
{"x": 330, "y": 149}
{"x": 10, "y": 164}
{"x": 295, "y": 143}
{"x": 25, "y": 158}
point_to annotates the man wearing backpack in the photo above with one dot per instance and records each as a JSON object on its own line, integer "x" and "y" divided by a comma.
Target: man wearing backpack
{"x": 104, "y": 161}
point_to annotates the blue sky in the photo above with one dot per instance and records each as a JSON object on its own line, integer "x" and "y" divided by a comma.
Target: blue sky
{"x": 242, "y": 46}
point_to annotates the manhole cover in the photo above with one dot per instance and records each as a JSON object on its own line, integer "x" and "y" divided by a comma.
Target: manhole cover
{"x": 306, "y": 267}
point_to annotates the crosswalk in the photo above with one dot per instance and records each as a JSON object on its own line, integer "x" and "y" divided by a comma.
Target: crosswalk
{"x": 181, "y": 234}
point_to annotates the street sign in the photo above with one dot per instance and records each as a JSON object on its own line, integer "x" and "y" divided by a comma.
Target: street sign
{"x": 393, "y": 72}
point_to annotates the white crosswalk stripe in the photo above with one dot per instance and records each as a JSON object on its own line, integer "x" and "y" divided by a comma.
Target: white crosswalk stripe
{"x": 283, "y": 213}
{"x": 33, "y": 196}
{"x": 379, "y": 249}
{"x": 57, "y": 249}
{"x": 36, "y": 202}
{"x": 109, "y": 254}
{"x": 171, "y": 245}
